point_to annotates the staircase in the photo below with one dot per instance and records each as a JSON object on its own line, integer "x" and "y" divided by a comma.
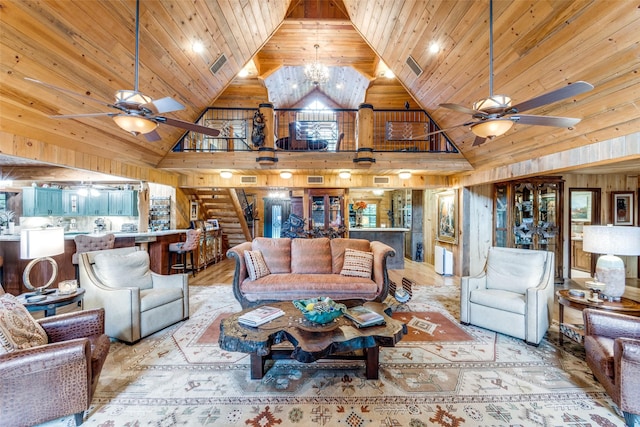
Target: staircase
{"x": 224, "y": 205}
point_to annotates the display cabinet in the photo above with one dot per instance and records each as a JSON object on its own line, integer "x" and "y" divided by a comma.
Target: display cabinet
{"x": 160, "y": 213}
{"x": 326, "y": 208}
{"x": 528, "y": 215}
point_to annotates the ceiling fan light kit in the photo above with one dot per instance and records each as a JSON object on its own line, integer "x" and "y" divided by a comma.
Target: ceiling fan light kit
{"x": 135, "y": 125}
{"x": 493, "y": 104}
{"x": 492, "y": 128}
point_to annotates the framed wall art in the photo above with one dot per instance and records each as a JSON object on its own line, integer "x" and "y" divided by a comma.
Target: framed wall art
{"x": 447, "y": 226}
{"x": 581, "y": 202}
{"x": 194, "y": 211}
{"x": 622, "y": 206}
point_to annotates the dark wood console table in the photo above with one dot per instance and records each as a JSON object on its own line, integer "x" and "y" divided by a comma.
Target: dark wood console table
{"x": 310, "y": 342}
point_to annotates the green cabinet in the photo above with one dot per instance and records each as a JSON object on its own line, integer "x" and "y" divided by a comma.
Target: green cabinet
{"x": 123, "y": 203}
{"x": 71, "y": 205}
{"x": 95, "y": 205}
{"x": 40, "y": 201}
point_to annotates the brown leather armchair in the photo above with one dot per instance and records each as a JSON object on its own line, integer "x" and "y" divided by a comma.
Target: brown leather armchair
{"x": 612, "y": 346}
{"x": 43, "y": 383}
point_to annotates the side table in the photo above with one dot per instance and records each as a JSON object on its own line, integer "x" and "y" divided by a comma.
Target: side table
{"x": 52, "y": 301}
{"x": 565, "y": 299}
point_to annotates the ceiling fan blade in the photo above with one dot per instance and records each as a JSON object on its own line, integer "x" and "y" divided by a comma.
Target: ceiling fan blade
{"x": 561, "y": 122}
{"x": 165, "y": 105}
{"x": 186, "y": 125}
{"x": 478, "y": 141}
{"x": 70, "y": 92}
{"x": 73, "y": 116}
{"x": 463, "y": 109}
{"x": 152, "y": 136}
{"x": 573, "y": 89}
{"x": 443, "y": 130}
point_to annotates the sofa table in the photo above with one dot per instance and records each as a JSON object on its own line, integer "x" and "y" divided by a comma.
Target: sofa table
{"x": 52, "y": 301}
{"x": 565, "y": 299}
{"x": 310, "y": 341}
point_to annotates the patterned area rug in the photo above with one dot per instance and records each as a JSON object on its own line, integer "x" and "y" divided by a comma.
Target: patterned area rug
{"x": 441, "y": 374}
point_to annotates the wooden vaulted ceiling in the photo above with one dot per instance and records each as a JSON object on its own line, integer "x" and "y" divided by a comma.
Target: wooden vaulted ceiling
{"x": 88, "y": 47}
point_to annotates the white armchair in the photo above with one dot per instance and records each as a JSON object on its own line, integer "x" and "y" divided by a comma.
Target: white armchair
{"x": 513, "y": 295}
{"x": 137, "y": 302}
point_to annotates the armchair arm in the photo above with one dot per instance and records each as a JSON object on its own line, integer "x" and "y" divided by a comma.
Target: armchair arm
{"x": 610, "y": 325}
{"x": 468, "y": 284}
{"x": 627, "y": 371}
{"x": 34, "y": 375}
{"x": 381, "y": 252}
{"x": 79, "y": 324}
{"x": 240, "y": 273}
{"x": 174, "y": 281}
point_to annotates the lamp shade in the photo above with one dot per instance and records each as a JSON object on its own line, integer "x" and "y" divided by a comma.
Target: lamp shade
{"x": 611, "y": 240}
{"x": 135, "y": 124}
{"x": 41, "y": 242}
{"x": 492, "y": 127}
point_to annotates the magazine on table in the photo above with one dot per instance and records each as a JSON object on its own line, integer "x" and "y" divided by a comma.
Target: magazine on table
{"x": 364, "y": 317}
{"x": 260, "y": 315}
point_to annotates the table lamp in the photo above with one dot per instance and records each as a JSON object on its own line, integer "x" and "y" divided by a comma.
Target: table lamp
{"x": 40, "y": 244}
{"x": 611, "y": 241}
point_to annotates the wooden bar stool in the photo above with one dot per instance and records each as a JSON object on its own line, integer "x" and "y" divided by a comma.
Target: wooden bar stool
{"x": 178, "y": 252}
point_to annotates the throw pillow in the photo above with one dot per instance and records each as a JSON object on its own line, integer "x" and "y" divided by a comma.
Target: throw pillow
{"x": 124, "y": 270}
{"x": 357, "y": 263}
{"x": 18, "y": 329}
{"x": 256, "y": 266}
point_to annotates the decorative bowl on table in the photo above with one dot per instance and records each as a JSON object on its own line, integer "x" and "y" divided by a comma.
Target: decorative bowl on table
{"x": 320, "y": 310}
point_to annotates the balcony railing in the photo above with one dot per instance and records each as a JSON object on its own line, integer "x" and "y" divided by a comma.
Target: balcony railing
{"x": 318, "y": 130}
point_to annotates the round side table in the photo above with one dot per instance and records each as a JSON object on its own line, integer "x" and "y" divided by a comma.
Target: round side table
{"x": 52, "y": 301}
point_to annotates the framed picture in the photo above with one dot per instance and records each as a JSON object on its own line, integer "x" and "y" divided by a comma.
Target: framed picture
{"x": 581, "y": 206}
{"x": 447, "y": 227}
{"x": 194, "y": 211}
{"x": 214, "y": 223}
{"x": 622, "y": 207}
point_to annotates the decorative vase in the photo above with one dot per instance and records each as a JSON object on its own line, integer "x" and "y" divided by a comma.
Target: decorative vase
{"x": 359, "y": 218}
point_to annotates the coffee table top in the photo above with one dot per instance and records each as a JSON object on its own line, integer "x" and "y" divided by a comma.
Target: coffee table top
{"x": 311, "y": 341}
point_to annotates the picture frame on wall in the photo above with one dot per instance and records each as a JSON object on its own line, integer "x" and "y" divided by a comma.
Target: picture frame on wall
{"x": 447, "y": 226}
{"x": 194, "y": 211}
{"x": 622, "y": 207}
{"x": 581, "y": 202}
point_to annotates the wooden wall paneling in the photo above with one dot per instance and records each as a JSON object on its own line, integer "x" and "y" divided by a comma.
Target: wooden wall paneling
{"x": 476, "y": 226}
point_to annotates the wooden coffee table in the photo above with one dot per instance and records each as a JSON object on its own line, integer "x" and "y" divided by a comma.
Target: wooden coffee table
{"x": 565, "y": 299}
{"x": 311, "y": 342}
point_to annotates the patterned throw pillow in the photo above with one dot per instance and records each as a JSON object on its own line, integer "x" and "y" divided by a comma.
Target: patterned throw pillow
{"x": 256, "y": 266}
{"x": 357, "y": 263}
{"x": 18, "y": 330}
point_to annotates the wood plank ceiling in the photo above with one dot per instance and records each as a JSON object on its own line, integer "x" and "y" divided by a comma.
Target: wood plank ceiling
{"x": 88, "y": 47}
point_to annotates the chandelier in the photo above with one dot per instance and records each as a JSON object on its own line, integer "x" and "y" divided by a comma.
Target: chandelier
{"x": 316, "y": 73}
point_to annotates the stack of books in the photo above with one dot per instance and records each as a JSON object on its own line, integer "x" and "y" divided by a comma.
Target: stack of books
{"x": 260, "y": 316}
{"x": 364, "y": 317}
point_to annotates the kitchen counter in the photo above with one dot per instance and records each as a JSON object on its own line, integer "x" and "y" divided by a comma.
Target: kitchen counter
{"x": 155, "y": 242}
{"x": 393, "y": 237}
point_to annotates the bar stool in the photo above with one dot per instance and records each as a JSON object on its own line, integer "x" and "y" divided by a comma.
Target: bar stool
{"x": 180, "y": 250}
{"x": 86, "y": 243}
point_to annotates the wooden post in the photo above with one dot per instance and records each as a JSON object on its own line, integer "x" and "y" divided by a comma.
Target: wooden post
{"x": 364, "y": 138}
{"x": 267, "y": 153}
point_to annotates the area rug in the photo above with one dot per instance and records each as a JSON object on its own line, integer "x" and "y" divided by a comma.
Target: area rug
{"x": 474, "y": 377}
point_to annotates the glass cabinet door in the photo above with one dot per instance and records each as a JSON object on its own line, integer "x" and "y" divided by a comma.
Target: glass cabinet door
{"x": 501, "y": 216}
{"x": 523, "y": 224}
{"x": 317, "y": 211}
{"x": 547, "y": 224}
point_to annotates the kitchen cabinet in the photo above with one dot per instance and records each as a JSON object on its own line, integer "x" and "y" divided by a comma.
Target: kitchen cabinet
{"x": 326, "y": 208}
{"x": 71, "y": 203}
{"x": 580, "y": 260}
{"x": 40, "y": 201}
{"x": 95, "y": 205}
{"x": 528, "y": 215}
{"x": 123, "y": 203}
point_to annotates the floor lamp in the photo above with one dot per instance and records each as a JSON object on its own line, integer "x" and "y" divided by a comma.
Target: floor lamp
{"x": 611, "y": 241}
{"x": 40, "y": 244}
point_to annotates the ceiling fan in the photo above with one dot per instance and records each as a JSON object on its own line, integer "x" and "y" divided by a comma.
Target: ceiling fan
{"x": 495, "y": 115}
{"x": 137, "y": 113}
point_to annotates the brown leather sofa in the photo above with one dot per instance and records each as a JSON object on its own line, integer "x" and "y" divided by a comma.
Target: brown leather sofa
{"x": 46, "y": 382}
{"x": 612, "y": 346}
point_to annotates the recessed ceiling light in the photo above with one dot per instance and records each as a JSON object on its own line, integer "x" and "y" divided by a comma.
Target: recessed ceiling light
{"x": 344, "y": 174}
{"x": 434, "y": 47}
{"x": 226, "y": 174}
{"x": 404, "y": 175}
{"x": 197, "y": 46}
{"x": 243, "y": 73}
{"x": 389, "y": 74}
{"x": 285, "y": 174}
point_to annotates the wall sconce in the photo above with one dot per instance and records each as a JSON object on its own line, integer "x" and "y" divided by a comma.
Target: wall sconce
{"x": 285, "y": 175}
{"x": 404, "y": 175}
{"x": 344, "y": 174}
{"x": 226, "y": 174}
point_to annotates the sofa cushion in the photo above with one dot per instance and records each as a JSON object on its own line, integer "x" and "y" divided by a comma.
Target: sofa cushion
{"x": 18, "y": 329}
{"x": 501, "y": 300}
{"x": 310, "y": 256}
{"x": 338, "y": 247}
{"x": 256, "y": 267}
{"x": 124, "y": 270}
{"x": 357, "y": 263}
{"x": 600, "y": 350}
{"x": 152, "y": 298}
{"x": 514, "y": 270}
{"x": 276, "y": 253}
